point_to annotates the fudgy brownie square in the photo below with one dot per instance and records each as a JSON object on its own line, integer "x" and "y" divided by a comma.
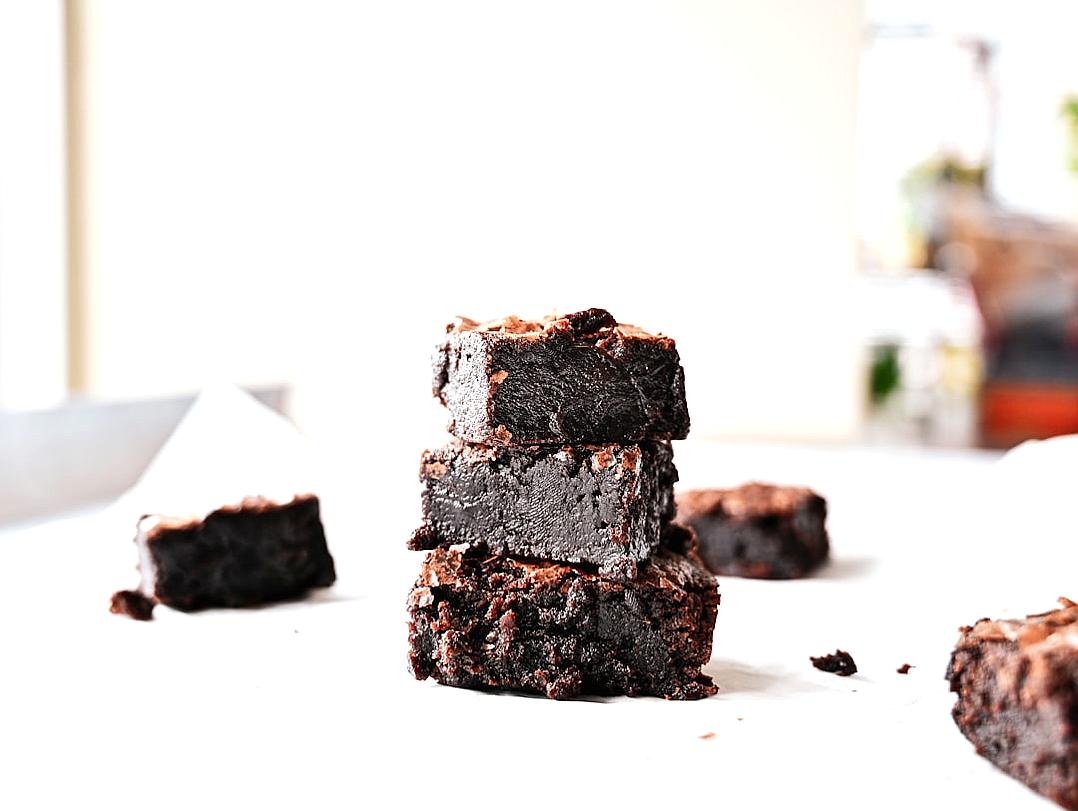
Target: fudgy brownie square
{"x": 488, "y": 621}
{"x": 604, "y": 505}
{"x": 1017, "y": 685}
{"x": 565, "y": 380}
{"x": 255, "y": 552}
{"x": 757, "y": 530}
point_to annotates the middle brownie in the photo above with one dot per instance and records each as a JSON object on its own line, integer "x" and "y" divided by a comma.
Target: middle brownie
{"x": 603, "y": 505}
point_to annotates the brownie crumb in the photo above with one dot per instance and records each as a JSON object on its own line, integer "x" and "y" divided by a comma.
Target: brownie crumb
{"x": 904, "y": 669}
{"x": 134, "y": 604}
{"x": 707, "y": 736}
{"x": 840, "y": 663}
{"x": 422, "y": 538}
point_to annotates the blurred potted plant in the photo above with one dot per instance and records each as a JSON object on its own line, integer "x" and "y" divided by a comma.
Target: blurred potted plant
{"x": 1070, "y": 113}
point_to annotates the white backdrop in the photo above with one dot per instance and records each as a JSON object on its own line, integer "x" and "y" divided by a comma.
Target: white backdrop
{"x": 32, "y": 212}
{"x": 308, "y": 191}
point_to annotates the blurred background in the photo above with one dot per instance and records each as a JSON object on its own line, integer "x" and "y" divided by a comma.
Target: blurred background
{"x": 859, "y": 220}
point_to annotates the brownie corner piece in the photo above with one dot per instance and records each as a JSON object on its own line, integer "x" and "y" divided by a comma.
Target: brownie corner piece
{"x": 600, "y": 505}
{"x": 254, "y": 552}
{"x": 492, "y": 622}
{"x": 1017, "y": 697}
{"x": 568, "y": 379}
{"x": 758, "y": 530}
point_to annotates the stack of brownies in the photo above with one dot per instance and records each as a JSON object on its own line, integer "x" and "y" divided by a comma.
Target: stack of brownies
{"x": 555, "y": 567}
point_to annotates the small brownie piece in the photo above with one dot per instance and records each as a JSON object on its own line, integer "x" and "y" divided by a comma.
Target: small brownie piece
{"x": 1017, "y": 685}
{"x": 758, "y": 530}
{"x": 599, "y": 504}
{"x": 255, "y": 552}
{"x": 560, "y": 381}
{"x": 487, "y": 621}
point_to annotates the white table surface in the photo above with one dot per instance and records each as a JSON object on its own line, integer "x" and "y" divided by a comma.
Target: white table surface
{"x": 309, "y": 704}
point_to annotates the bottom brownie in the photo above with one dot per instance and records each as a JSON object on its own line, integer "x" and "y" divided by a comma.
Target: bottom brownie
{"x": 484, "y": 621}
{"x": 1017, "y": 685}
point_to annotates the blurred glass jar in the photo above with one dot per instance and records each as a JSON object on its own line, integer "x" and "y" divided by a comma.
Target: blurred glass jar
{"x": 924, "y": 367}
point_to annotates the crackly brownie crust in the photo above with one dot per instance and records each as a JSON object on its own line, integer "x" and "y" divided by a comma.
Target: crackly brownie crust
{"x": 758, "y": 530}
{"x": 566, "y": 380}
{"x": 603, "y": 505}
{"x": 255, "y": 552}
{"x": 484, "y": 621}
{"x": 1017, "y": 686}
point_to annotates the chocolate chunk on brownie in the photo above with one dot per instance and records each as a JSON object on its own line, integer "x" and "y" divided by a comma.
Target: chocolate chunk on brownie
{"x": 758, "y": 530}
{"x": 255, "y": 552}
{"x": 488, "y": 621}
{"x": 603, "y": 505}
{"x": 563, "y": 380}
{"x": 1017, "y": 685}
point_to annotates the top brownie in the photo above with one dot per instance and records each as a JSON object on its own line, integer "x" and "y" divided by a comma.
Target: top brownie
{"x": 579, "y": 378}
